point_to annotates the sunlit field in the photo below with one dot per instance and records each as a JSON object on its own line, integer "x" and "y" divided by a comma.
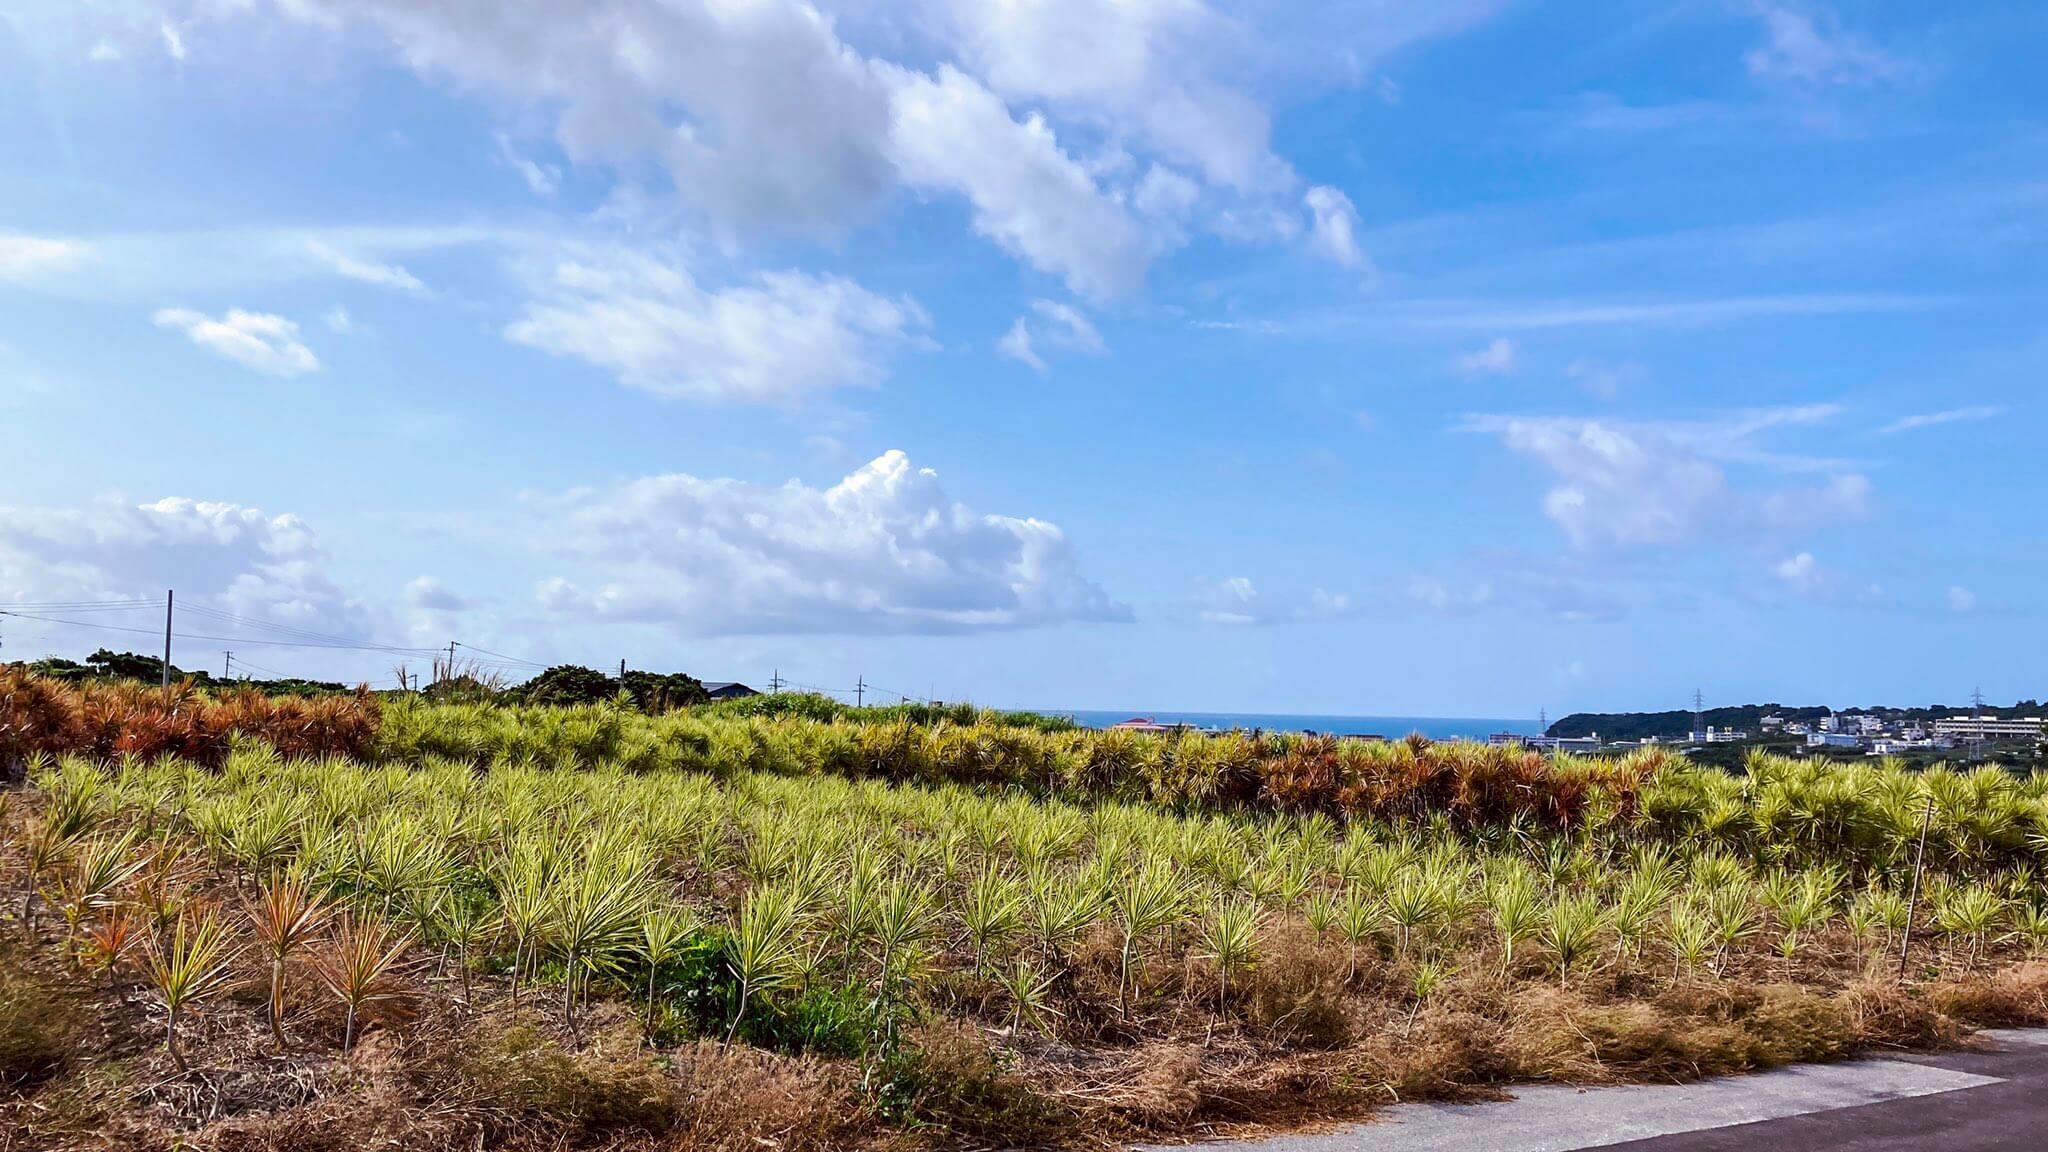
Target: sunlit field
{"x": 238, "y": 923}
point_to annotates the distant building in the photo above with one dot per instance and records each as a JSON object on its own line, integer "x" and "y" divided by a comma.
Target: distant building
{"x": 1990, "y": 728}
{"x": 1772, "y": 722}
{"x": 1143, "y": 724}
{"x": 728, "y": 690}
{"x": 1833, "y": 740}
{"x": 1547, "y": 743}
{"x": 1715, "y": 735}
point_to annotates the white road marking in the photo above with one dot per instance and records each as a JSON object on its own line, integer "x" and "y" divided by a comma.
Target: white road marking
{"x": 1559, "y": 1118}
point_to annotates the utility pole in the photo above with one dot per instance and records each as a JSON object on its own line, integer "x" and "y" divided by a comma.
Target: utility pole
{"x": 860, "y": 688}
{"x": 1699, "y": 714}
{"x": 622, "y": 669}
{"x": 1977, "y": 699}
{"x": 451, "y": 660}
{"x": 170, "y": 601}
{"x": 775, "y": 681}
{"x": 227, "y": 664}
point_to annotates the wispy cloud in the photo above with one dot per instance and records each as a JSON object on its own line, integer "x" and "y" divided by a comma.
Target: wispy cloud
{"x": 1500, "y": 357}
{"x": 257, "y": 340}
{"x": 1971, "y": 413}
{"x": 1552, "y": 314}
{"x": 1809, "y": 47}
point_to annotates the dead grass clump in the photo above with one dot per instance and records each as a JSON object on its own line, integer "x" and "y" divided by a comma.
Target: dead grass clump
{"x": 739, "y": 1099}
{"x": 519, "y": 1073}
{"x": 1885, "y": 1012}
{"x": 1690, "y": 1031}
{"x": 38, "y": 1026}
{"x": 1296, "y": 994}
{"x": 1449, "y": 1054}
{"x": 957, "y": 1083}
{"x": 2013, "y": 998}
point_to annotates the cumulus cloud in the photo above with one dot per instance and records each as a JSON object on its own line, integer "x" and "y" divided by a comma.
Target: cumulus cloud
{"x": 762, "y": 116}
{"x": 1137, "y": 64}
{"x": 1500, "y": 357}
{"x": 266, "y": 343}
{"x": 949, "y": 132}
{"x": 228, "y": 556}
{"x": 775, "y": 339}
{"x": 884, "y": 550}
{"x": 767, "y": 121}
{"x": 1333, "y": 225}
{"x": 1961, "y": 600}
{"x": 1809, "y": 48}
{"x": 1635, "y": 485}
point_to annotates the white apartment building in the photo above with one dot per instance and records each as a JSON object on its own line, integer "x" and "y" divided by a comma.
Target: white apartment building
{"x": 1990, "y": 728}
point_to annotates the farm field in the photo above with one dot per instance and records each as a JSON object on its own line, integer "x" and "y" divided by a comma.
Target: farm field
{"x": 238, "y": 923}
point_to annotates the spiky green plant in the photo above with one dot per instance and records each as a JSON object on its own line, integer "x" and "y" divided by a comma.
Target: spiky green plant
{"x": 286, "y": 915}
{"x": 764, "y": 948}
{"x": 358, "y": 966}
{"x": 1572, "y": 929}
{"x": 1228, "y": 941}
{"x": 195, "y": 964}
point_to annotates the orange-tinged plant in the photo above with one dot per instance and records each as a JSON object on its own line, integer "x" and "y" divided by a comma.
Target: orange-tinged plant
{"x": 286, "y": 916}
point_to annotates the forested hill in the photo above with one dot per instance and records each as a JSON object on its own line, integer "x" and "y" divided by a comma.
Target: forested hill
{"x": 1677, "y": 724}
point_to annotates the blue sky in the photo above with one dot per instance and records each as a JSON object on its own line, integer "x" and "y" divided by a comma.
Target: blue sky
{"x": 1393, "y": 358}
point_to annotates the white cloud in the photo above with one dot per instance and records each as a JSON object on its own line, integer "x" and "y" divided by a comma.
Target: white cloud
{"x": 1968, "y": 414}
{"x": 392, "y": 276}
{"x": 225, "y": 556}
{"x": 1801, "y": 573}
{"x": 23, "y": 256}
{"x": 778, "y": 339}
{"x": 1500, "y": 357}
{"x": 541, "y": 179}
{"x": 1016, "y": 344}
{"x": 1056, "y": 325}
{"x": 1134, "y": 64}
{"x": 174, "y": 41}
{"x": 1434, "y": 595}
{"x": 1028, "y": 195}
{"x": 1232, "y": 601}
{"x": 1809, "y": 48}
{"x": 763, "y": 118}
{"x": 882, "y": 551}
{"x": 1961, "y": 600}
{"x": 1603, "y": 379}
{"x": 1634, "y": 485}
{"x": 258, "y": 340}
{"x": 426, "y": 594}
{"x": 1333, "y": 231}
{"x": 338, "y": 320}
{"x": 1324, "y": 604}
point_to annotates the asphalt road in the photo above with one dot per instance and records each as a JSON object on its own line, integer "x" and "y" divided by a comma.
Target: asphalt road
{"x": 1994, "y": 1096}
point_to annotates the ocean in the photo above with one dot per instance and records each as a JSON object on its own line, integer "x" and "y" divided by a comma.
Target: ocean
{"x": 1392, "y": 727}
